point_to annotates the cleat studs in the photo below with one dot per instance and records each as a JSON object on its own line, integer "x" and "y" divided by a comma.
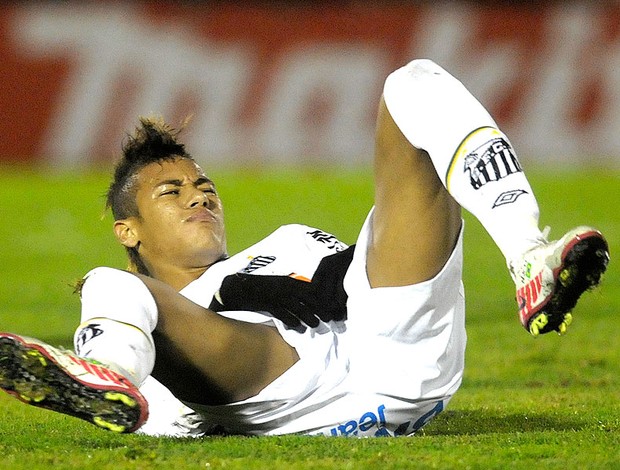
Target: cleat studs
{"x": 25, "y": 398}
{"x": 33, "y": 397}
{"x": 37, "y": 376}
{"x": 34, "y": 361}
{"x": 538, "y": 324}
{"x": 102, "y": 423}
{"x": 562, "y": 327}
{"x": 600, "y": 253}
{"x": 115, "y": 396}
{"x": 565, "y": 277}
{"x": 30, "y": 392}
{"x": 36, "y": 355}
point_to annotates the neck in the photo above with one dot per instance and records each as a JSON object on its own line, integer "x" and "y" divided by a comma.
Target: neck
{"x": 177, "y": 276}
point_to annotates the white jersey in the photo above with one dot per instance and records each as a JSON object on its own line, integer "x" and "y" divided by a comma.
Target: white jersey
{"x": 387, "y": 369}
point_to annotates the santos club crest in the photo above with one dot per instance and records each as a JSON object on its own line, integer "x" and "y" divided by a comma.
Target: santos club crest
{"x": 491, "y": 162}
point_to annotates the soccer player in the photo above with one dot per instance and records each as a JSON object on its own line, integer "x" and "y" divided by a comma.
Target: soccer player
{"x": 300, "y": 333}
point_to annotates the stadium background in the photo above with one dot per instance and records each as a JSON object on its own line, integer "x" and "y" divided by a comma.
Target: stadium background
{"x": 298, "y": 82}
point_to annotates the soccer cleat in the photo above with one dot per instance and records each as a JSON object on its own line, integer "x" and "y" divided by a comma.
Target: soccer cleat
{"x": 551, "y": 277}
{"x": 58, "y": 380}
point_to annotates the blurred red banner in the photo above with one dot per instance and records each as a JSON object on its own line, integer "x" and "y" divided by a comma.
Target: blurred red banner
{"x": 288, "y": 83}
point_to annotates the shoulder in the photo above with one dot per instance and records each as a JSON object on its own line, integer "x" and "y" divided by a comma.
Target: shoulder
{"x": 293, "y": 248}
{"x": 307, "y": 236}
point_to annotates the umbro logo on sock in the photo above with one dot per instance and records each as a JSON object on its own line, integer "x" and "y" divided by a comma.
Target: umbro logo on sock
{"x": 508, "y": 197}
{"x": 86, "y": 334}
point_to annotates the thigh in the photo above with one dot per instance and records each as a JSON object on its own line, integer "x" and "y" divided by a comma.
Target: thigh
{"x": 409, "y": 339}
{"x": 206, "y": 358}
{"x": 415, "y": 222}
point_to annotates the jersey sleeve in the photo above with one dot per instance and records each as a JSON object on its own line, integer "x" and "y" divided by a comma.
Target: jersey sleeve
{"x": 292, "y": 250}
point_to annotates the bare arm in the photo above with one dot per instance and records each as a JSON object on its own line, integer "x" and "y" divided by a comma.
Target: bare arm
{"x": 237, "y": 358}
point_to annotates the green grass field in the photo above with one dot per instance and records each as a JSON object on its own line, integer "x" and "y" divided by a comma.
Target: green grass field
{"x": 550, "y": 402}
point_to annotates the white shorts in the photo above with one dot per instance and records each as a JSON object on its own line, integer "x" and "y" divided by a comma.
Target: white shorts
{"x": 387, "y": 370}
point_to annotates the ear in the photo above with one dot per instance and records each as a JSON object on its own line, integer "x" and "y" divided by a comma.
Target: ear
{"x": 126, "y": 233}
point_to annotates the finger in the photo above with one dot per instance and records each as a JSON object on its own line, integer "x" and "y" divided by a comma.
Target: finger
{"x": 328, "y": 313}
{"x": 285, "y": 317}
{"x": 305, "y": 313}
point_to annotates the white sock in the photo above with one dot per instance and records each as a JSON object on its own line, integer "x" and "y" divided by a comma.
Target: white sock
{"x": 474, "y": 160}
{"x": 119, "y": 314}
{"x": 121, "y": 346}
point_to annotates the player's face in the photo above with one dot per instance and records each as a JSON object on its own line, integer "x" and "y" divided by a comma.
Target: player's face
{"x": 181, "y": 221}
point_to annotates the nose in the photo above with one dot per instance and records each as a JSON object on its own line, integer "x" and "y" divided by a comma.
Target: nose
{"x": 198, "y": 198}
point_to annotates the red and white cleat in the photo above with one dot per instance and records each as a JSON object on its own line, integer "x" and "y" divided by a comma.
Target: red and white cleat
{"x": 551, "y": 277}
{"x": 58, "y": 380}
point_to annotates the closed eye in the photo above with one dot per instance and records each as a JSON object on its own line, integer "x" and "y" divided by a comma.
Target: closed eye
{"x": 208, "y": 190}
{"x": 168, "y": 192}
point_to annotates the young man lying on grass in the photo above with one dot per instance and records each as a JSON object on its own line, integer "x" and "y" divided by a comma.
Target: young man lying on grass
{"x": 300, "y": 333}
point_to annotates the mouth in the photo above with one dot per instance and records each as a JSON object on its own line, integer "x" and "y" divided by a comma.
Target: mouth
{"x": 202, "y": 215}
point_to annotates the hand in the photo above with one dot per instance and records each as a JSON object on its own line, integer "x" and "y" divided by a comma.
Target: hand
{"x": 297, "y": 303}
